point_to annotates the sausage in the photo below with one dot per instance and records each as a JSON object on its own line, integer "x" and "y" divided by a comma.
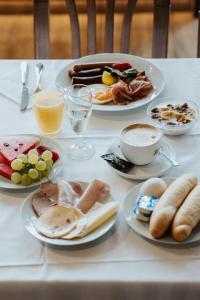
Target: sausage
{"x": 169, "y": 204}
{"x": 89, "y": 73}
{"x": 188, "y": 216}
{"x": 90, "y": 66}
{"x": 87, "y": 80}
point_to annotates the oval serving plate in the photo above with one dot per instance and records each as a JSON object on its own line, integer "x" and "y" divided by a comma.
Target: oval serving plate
{"x": 142, "y": 228}
{"x": 28, "y": 216}
{"x": 154, "y": 74}
{"x": 48, "y": 142}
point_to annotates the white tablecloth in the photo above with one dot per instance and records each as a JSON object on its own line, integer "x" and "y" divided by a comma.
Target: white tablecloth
{"x": 122, "y": 264}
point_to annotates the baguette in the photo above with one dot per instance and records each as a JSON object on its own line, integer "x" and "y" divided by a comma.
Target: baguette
{"x": 169, "y": 203}
{"x": 188, "y": 216}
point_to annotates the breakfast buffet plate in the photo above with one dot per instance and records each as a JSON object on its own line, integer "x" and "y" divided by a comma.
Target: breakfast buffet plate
{"x": 43, "y": 141}
{"x": 157, "y": 168}
{"x": 154, "y": 74}
{"x": 28, "y": 217}
{"x": 142, "y": 228}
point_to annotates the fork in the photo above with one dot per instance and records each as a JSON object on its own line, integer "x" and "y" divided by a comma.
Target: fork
{"x": 38, "y": 68}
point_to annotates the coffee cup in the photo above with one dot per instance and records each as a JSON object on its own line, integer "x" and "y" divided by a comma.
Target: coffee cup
{"x": 140, "y": 143}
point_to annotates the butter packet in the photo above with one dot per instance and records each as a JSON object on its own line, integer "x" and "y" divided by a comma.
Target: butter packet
{"x": 145, "y": 204}
{"x": 142, "y": 216}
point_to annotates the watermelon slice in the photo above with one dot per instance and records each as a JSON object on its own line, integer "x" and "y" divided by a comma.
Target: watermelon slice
{"x": 41, "y": 149}
{"x": 5, "y": 170}
{"x": 11, "y": 147}
{"x": 2, "y": 159}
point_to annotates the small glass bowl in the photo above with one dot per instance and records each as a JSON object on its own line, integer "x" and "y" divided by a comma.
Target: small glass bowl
{"x": 173, "y": 129}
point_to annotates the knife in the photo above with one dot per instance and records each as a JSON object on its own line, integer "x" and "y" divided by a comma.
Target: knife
{"x": 25, "y": 92}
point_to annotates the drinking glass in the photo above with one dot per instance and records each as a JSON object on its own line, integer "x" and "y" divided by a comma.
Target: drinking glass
{"x": 79, "y": 111}
{"x": 49, "y": 109}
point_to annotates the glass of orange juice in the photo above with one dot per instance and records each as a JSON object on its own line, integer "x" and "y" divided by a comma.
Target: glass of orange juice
{"x": 49, "y": 110}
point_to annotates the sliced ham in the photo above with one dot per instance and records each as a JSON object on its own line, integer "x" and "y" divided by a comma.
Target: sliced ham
{"x": 123, "y": 93}
{"x": 50, "y": 193}
{"x": 41, "y": 202}
{"x": 97, "y": 191}
{"x": 66, "y": 195}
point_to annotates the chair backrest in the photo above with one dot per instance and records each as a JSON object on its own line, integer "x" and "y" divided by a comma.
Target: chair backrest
{"x": 198, "y": 38}
{"x": 41, "y": 28}
{"x": 160, "y": 28}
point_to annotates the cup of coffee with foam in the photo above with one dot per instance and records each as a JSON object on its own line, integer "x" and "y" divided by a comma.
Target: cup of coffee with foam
{"x": 140, "y": 143}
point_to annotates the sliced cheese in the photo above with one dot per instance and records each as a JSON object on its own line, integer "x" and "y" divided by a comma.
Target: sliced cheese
{"x": 95, "y": 218}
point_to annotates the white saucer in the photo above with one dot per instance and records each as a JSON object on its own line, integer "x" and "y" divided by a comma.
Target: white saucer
{"x": 155, "y": 169}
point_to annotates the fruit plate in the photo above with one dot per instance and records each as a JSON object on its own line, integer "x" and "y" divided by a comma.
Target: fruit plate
{"x": 28, "y": 217}
{"x": 154, "y": 74}
{"x": 142, "y": 228}
{"x": 46, "y": 141}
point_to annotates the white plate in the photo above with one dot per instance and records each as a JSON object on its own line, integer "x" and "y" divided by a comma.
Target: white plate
{"x": 28, "y": 216}
{"x": 142, "y": 228}
{"x": 154, "y": 74}
{"x": 46, "y": 141}
{"x": 157, "y": 168}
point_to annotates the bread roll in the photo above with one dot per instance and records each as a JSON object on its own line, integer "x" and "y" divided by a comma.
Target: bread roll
{"x": 188, "y": 216}
{"x": 169, "y": 203}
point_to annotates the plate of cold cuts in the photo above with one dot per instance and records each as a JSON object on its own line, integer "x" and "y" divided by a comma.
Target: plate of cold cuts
{"x": 69, "y": 213}
{"x": 118, "y": 81}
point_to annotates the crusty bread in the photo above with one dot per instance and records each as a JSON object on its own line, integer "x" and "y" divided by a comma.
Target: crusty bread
{"x": 188, "y": 216}
{"x": 169, "y": 203}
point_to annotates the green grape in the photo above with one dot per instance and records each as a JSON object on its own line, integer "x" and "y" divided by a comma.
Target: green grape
{"x": 33, "y": 159}
{"x": 23, "y": 157}
{"x": 16, "y": 178}
{"x": 49, "y": 163}
{"x": 17, "y": 164}
{"x": 25, "y": 180}
{"x": 44, "y": 173}
{"x": 46, "y": 155}
{"x": 32, "y": 152}
{"x": 40, "y": 165}
{"x": 33, "y": 173}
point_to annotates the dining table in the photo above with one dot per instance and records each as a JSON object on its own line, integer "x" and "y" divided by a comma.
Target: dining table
{"x": 121, "y": 264}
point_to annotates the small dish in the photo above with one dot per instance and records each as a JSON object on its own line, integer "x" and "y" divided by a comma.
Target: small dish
{"x": 157, "y": 168}
{"x": 142, "y": 228}
{"x": 173, "y": 129}
{"x": 28, "y": 217}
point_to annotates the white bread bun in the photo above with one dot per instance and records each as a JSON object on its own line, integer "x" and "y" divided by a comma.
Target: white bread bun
{"x": 188, "y": 216}
{"x": 169, "y": 203}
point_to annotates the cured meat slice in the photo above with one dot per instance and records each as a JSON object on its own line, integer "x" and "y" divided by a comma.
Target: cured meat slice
{"x": 48, "y": 195}
{"x": 97, "y": 191}
{"x": 123, "y": 93}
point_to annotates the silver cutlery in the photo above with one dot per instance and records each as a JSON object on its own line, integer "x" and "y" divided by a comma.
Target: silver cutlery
{"x": 172, "y": 160}
{"x": 38, "y": 68}
{"x": 25, "y": 92}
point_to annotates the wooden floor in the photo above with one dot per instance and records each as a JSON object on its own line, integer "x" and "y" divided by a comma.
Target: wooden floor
{"x": 16, "y": 35}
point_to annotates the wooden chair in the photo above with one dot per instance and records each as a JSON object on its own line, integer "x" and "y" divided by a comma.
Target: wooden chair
{"x": 160, "y": 27}
{"x": 198, "y": 38}
{"x": 41, "y": 28}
